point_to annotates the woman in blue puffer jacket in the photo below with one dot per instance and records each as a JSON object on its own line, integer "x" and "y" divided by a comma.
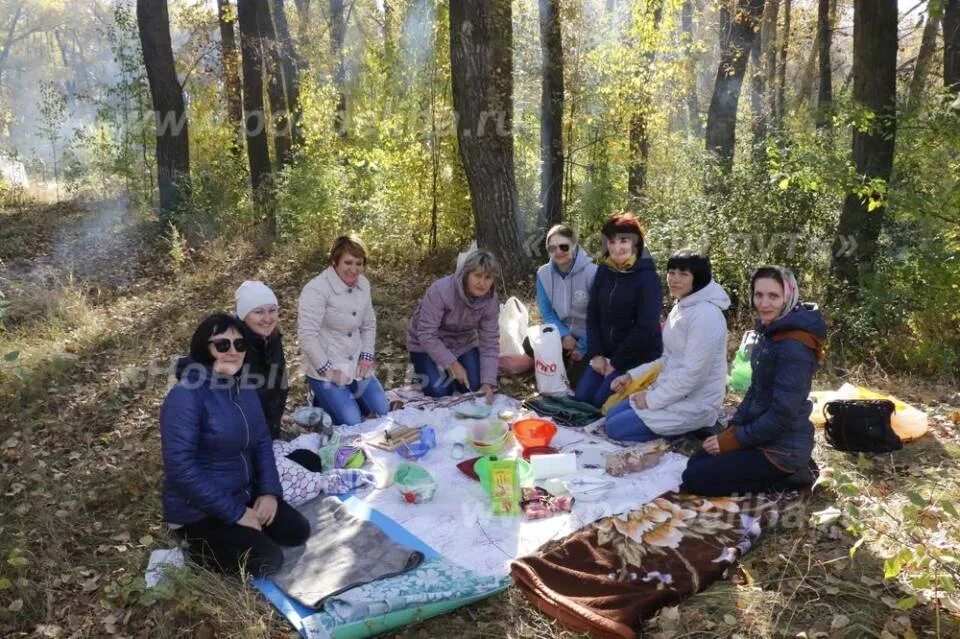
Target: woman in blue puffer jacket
{"x": 221, "y": 491}
{"x": 770, "y": 438}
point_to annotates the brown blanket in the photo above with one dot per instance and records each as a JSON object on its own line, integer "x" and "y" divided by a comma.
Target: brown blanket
{"x": 607, "y": 578}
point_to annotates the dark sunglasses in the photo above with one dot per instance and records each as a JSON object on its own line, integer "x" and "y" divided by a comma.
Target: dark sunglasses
{"x": 222, "y": 345}
{"x": 563, "y": 248}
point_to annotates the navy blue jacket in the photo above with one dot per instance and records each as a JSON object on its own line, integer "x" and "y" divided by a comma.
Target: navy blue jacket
{"x": 217, "y": 451}
{"x": 623, "y": 316}
{"x": 775, "y": 413}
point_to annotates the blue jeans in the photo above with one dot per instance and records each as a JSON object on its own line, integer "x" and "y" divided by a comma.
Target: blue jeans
{"x": 625, "y": 425}
{"x": 349, "y": 404}
{"x": 746, "y": 470}
{"x": 594, "y": 388}
{"x": 437, "y": 383}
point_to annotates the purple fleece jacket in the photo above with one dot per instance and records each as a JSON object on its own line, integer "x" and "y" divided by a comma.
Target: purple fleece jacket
{"x": 448, "y": 323}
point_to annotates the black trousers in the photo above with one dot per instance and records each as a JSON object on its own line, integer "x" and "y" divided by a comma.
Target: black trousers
{"x": 228, "y": 547}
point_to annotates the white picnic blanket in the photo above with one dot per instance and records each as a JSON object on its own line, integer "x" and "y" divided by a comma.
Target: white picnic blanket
{"x": 459, "y": 522}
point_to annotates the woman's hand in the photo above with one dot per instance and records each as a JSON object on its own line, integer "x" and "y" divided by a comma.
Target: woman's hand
{"x": 639, "y": 400}
{"x": 569, "y": 343}
{"x": 576, "y": 355}
{"x": 459, "y": 373}
{"x": 619, "y": 383}
{"x": 711, "y": 445}
{"x": 488, "y": 392}
{"x": 250, "y": 519}
{"x": 337, "y": 376}
{"x": 598, "y": 363}
{"x": 266, "y": 509}
{"x": 364, "y": 369}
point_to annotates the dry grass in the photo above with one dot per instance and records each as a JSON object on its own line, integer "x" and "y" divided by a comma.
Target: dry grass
{"x": 80, "y": 476}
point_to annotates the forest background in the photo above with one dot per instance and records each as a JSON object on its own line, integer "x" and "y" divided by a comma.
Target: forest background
{"x": 215, "y": 140}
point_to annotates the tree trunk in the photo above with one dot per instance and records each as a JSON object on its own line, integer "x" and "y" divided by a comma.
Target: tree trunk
{"x": 255, "y": 121}
{"x": 693, "y": 100}
{"x": 639, "y": 135}
{"x": 388, "y": 45}
{"x": 722, "y": 117}
{"x": 758, "y": 122}
{"x": 551, "y": 117}
{"x": 173, "y": 143}
{"x": 231, "y": 72}
{"x": 8, "y": 40}
{"x": 928, "y": 43}
{"x": 768, "y": 57}
{"x": 276, "y": 94}
{"x": 951, "y": 45}
{"x": 481, "y": 61}
{"x": 338, "y": 32}
{"x": 781, "y": 109}
{"x": 825, "y": 18}
{"x": 290, "y": 65}
{"x": 303, "y": 20}
{"x": 875, "y": 88}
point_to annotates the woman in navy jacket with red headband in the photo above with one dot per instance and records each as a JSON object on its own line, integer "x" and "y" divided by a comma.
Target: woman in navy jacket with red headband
{"x": 623, "y": 316}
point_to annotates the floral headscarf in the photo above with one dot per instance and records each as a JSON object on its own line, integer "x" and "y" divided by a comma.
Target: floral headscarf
{"x": 791, "y": 292}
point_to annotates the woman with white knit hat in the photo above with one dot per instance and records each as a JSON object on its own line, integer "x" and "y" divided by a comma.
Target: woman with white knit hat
{"x": 258, "y": 310}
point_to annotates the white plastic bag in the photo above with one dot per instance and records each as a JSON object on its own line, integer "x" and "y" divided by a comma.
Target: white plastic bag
{"x": 514, "y": 318}
{"x": 548, "y": 360}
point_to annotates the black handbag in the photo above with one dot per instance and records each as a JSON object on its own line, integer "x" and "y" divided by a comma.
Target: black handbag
{"x": 861, "y": 425}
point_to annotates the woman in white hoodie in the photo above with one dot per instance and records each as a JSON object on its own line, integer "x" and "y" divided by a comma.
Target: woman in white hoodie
{"x": 688, "y": 394}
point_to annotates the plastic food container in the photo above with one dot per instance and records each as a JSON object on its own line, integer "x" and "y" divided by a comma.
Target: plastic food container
{"x": 489, "y": 436}
{"x": 534, "y": 432}
{"x": 415, "y": 483}
{"x": 482, "y": 468}
{"x": 588, "y": 488}
{"x": 413, "y": 451}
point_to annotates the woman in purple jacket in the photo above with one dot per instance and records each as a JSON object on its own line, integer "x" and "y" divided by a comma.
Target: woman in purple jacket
{"x": 454, "y": 335}
{"x": 221, "y": 491}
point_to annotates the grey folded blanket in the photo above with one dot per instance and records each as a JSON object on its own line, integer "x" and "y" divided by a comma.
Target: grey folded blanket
{"x": 342, "y": 552}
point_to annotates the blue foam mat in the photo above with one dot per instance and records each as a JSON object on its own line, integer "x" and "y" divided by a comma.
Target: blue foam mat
{"x": 314, "y": 624}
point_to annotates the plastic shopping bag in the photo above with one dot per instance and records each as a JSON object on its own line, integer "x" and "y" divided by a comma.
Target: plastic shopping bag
{"x": 514, "y": 318}
{"x": 741, "y": 372}
{"x": 548, "y": 360}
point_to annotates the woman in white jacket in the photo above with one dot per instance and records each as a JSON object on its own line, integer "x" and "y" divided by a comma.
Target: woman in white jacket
{"x": 338, "y": 330}
{"x": 689, "y": 391}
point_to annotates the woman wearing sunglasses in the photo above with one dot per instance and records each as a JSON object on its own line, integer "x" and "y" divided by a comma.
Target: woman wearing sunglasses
{"x": 623, "y": 316}
{"x": 221, "y": 491}
{"x": 338, "y": 331}
{"x": 563, "y": 292}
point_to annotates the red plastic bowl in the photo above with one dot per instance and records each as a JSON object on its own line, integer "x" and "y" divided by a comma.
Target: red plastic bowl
{"x": 534, "y": 432}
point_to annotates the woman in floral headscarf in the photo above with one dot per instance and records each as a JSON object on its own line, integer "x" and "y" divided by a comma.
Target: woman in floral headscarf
{"x": 770, "y": 438}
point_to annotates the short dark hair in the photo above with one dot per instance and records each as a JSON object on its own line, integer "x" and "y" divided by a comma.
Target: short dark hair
{"x": 694, "y": 263}
{"x": 765, "y": 272}
{"x": 562, "y": 230}
{"x": 208, "y": 327}
{"x": 349, "y": 243}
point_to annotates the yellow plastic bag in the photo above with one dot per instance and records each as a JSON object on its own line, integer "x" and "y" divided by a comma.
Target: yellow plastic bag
{"x": 642, "y": 382}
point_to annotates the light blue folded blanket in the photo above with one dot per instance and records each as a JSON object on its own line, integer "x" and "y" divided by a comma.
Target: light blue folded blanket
{"x": 434, "y": 580}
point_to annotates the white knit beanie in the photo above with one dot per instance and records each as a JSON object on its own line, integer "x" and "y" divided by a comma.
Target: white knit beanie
{"x": 252, "y": 294}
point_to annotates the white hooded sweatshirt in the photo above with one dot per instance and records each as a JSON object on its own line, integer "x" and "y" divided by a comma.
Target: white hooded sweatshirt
{"x": 688, "y": 394}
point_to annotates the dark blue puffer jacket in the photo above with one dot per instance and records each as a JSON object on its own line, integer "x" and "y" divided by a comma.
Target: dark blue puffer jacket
{"x": 217, "y": 451}
{"x": 623, "y": 316}
{"x": 775, "y": 413}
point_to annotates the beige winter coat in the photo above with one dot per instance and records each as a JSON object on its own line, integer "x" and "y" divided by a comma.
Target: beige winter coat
{"x": 336, "y": 325}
